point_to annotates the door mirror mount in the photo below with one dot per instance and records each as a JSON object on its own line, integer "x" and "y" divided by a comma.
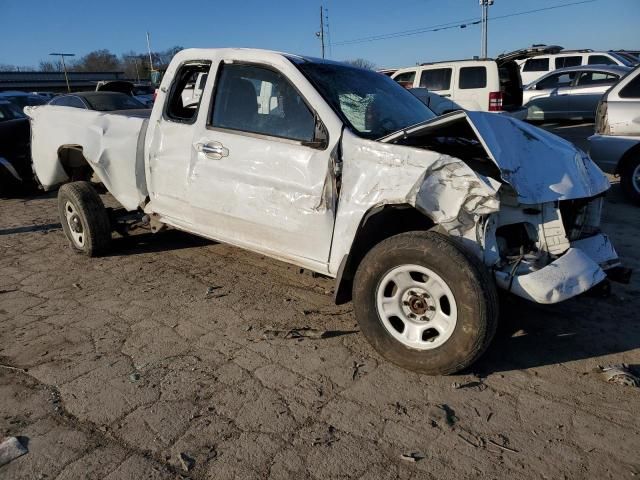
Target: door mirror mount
{"x": 320, "y": 136}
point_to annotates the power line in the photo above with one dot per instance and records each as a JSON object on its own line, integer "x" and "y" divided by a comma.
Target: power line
{"x": 454, "y": 24}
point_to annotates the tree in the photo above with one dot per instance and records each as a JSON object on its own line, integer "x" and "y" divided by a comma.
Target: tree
{"x": 49, "y": 66}
{"x": 361, "y": 63}
{"x": 97, "y": 61}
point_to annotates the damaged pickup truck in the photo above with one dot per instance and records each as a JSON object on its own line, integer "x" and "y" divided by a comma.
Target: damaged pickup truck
{"x": 421, "y": 219}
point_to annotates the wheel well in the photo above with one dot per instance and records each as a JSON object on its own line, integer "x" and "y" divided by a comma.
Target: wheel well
{"x": 378, "y": 224}
{"x": 627, "y": 157}
{"x": 74, "y": 163}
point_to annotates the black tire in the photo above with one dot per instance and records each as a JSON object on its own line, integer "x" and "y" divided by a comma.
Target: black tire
{"x": 473, "y": 289}
{"x": 630, "y": 190}
{"x": 88, "y": 214}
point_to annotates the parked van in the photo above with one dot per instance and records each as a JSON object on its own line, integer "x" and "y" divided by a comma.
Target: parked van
{"x": 535, "y": 67}
{"x": 490, "y": 85}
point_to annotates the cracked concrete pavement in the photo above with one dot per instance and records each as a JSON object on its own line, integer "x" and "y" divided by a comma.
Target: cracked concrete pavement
{"x": 114, "y": 367}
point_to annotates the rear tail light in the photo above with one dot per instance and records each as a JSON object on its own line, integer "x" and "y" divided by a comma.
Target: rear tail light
{"x": 155, "y": 94}
{"x": 601, "y": 118}
{"x": 495, "y": 101}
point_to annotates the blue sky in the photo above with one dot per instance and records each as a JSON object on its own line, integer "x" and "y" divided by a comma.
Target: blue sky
{"x": 30, "y": 30}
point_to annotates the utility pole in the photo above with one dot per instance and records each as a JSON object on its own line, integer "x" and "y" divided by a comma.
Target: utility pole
{"x": 64, "y": 66}
{"x": 485, "y": 26}
{"x": 320, "y": 34}
{"x": 149, "y": 49}
{"x": 135, "y": 59}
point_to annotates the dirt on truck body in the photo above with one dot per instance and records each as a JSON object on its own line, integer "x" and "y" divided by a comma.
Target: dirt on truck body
{"x": 341, "y": 171}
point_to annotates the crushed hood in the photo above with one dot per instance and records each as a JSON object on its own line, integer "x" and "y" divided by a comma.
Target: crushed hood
{"x": 541, "y": 167}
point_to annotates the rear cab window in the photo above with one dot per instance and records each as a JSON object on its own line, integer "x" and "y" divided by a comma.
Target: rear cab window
{"x": 536, "y": 65}
{"x": 256, "y": 99}
{"x": 436, "y": 79}
{"x": 564, "y": 62}
{"x": 472, "y": 77}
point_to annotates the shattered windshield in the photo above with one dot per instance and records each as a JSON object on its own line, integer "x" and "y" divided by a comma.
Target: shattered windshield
{"x": 370, "y": 103}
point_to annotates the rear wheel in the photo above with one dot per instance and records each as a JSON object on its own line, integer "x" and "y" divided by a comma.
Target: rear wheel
{"x": 424, "y": 304}
{"x": 84, "y": 218}
{"x": 630, "y": 179}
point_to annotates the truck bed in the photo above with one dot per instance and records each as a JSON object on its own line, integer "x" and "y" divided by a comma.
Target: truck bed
{"x": 112, "y": 144}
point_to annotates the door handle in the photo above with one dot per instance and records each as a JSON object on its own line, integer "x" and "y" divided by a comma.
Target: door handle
{"x": 213, "y": 150}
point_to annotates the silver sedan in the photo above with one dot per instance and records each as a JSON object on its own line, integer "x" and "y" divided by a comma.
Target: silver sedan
{"x": 569, "y": 93}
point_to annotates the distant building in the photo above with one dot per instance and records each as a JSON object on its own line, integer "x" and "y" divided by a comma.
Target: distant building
{"x": 54, "y": 81}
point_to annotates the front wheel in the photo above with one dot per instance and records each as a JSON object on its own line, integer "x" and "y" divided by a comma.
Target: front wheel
{"x": 424, "y": 304}
{"x": 630, "y": 179}
{"x": 84, "y": 218}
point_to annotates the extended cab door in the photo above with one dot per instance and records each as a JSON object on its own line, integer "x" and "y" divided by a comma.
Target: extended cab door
{"x": 168, "y": 142}
{"x": 263, "y": 173}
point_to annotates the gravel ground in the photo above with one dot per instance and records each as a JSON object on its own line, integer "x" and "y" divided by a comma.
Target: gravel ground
{"x": 175, "y": 356}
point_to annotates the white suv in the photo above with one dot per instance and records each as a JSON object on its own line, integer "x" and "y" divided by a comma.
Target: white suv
{"x": 490, "y": 85}
{"x": 615, "y": 147}
{"x": 535, "y": 67}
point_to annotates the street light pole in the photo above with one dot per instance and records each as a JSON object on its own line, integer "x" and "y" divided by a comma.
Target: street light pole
{"x": 135, "y": 59}
{"x": 64, "y": 66}
{"x": 485, "y": 26}
{"x": 320, "y": 33}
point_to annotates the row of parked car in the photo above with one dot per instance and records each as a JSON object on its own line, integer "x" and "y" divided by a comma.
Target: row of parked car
{"x": 558, "y": 85}
{"x": 16, "y": 174}
{"x": 562, "y": 85}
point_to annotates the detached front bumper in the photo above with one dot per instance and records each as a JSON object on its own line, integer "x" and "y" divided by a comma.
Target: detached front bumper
{"x": 579, "y": 269}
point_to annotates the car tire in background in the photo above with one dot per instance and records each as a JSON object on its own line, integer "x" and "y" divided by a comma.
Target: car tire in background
{"x": 630, "y": 178}
{"x": 84, "y": 218}
{"x": 425, "y": 304}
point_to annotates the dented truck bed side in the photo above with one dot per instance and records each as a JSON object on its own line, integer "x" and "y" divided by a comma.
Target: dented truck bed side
{"x": 111, "y": 144}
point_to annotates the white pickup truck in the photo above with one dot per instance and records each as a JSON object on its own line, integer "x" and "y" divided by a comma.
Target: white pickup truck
{"x": 343, "y": 172}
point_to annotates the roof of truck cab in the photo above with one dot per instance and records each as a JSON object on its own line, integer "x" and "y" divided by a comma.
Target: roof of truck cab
{"x": 295, "y": 58}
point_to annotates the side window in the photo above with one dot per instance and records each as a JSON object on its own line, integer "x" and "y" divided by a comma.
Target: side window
{"x": 632, "y": 89}
{"x": 563, "y": 62}
{"x": 436, "y": 79}
{"x": 473, "y": 77}
{"x": 406, "y": 79}
{"x": 600, "y": 60}
{"x": 596, "y": 78}
{"x": 68, "y": 101}
{"x": 75, "y": 102}
{"x": 556, "y": 81}
{"x": 536, "y": 65}
{"x": 259, "y": 100}
{"x": 183, "y": 101}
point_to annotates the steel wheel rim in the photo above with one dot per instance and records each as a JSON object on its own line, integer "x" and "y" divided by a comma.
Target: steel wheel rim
{"x": 416, "y": 307}
{"x": 76, "y": 228}
{"x": 635, "y": 178}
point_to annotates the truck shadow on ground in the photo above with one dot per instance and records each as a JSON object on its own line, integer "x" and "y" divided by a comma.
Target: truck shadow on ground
{"x": 534, "y": 336}
{"x": 155, "y": 242}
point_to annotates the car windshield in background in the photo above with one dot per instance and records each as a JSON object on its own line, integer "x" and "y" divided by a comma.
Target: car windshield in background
{"x": 9, "y": 111}
{"x": 143, "y": 90}
{"x": 371, "y": 104}
{"x": 27, "y": 100}
{"x": 625, "y": 60}
{"x": 108, "y": 101}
